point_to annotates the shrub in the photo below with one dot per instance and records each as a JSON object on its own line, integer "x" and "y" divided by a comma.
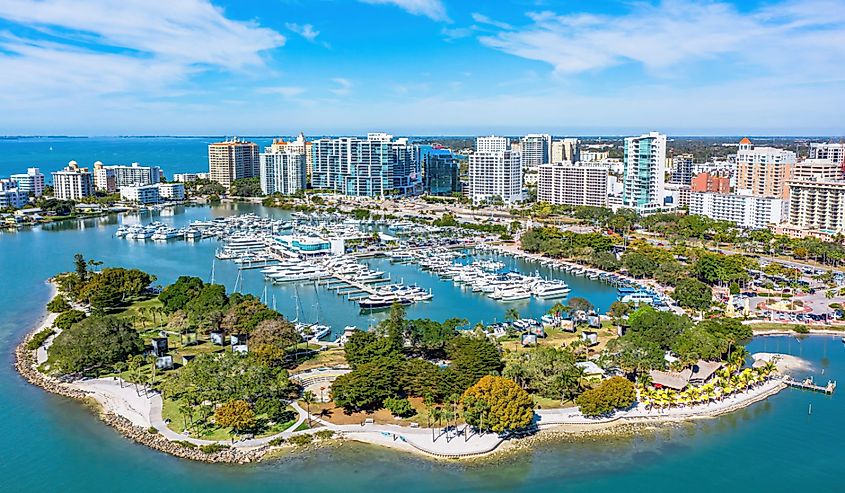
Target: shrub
{"x": 301, "y": 440}
{"x": 278, "y": 441}
{"x": 213, "y": 448}
{"x": 325, "y": 434}
{"x": 185, "y": 444}
{"x": 152, "y": 430}
{"x": 58, "y": 304}
{"x": 801, "y": 329}
{"x": 399, "y": 406}
{"x": 39, "y": 338}
{"x": 68, "y": 318}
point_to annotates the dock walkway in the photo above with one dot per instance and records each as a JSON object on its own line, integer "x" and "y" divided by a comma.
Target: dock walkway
{"x": 808, "y": 384}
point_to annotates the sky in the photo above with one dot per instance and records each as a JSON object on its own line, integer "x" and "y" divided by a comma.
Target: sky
{"x": 422, "y": 67}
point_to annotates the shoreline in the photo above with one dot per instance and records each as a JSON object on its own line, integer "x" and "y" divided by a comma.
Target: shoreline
{"x": 415, "y": 441}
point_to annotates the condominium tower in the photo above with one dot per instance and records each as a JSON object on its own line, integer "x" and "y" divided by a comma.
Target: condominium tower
{"x": 31, "y": 182}
{"x": 439, "y": 169}
{"x": 495, "y": 175}
{"x": 232, "y": 160}
{"x": 644, "y": 168}
{"x": 565, "y": 183}
{"x": 376, "y": 166}
{"x": 73, "y": 182}
{"x": 536, "y": 149}
{"x": 283, "y": 170}
{"x": 763, "y": 171}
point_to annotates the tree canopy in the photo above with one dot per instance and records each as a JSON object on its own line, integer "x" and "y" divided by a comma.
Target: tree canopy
{"x": 610, "y": 395}
{"x": 497, "y": 404}
{"x": 94, "y": 343}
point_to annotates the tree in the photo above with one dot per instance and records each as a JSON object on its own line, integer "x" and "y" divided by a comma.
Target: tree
{"x": 58, "y": 304}
{"x": 430, "y": 337}
{"x": 244, "y": 317}
{"x": 577, "y": 303}
{"x": 511, "y": 314}
{"x": 368, "y": 385}
{"x": 308, "y": 398}
{"x": 80, "y": 267}
{"x": 610, "y": 395}
{"x": 363, "y": 347}
{"x": 618, "y": 310}
{"x": 472, "y": 358}
{"x": 246, "y": 187}
{"x": 95, "y": 342}
{"x": 178, "y": 294}
{"x": 272, "y": 337}
{"x": 236, "y": 414}
{"x": 692, "y": 293}
{"x": 497, "y": 404}
{"x": 66, "y": 319}
{"x": 399, "y": 407}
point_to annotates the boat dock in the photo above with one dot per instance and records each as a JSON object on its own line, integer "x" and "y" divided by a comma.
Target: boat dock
{"x": 808, "y": 384}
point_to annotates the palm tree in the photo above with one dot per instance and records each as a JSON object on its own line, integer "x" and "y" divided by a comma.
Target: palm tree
{"x": 558, "y": 309}
{"x": 511, "y": 315}
{"x": 436, "y": 414}
{"x": 738, "y": 356}
{"x": 308, "y": 399}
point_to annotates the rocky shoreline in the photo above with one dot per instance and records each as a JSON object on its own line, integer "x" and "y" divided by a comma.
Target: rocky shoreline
{"x": 26, "y": 366}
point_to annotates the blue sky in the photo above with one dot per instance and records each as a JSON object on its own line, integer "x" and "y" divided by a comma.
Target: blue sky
{"x": 421, "y": 67}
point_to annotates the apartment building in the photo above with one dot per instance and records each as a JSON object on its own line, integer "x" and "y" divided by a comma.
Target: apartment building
{"x": 73, "y": 182}
{"x": 744, "y": 210}
{"x": 565, "y": 183}
{"x": 232, "y": 160}
{"x": 763, "y": 171}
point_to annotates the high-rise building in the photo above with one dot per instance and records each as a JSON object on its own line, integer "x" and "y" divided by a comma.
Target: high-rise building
{"x": 283, "y": 170}
{"x": 375, "y": 166}
{"x": 73, "y": 182}
{"x": 536, "y": 149}
{"x": 492, "y": 144}
{"x": 232, "y": 160}
{"x": 495, "y": 175}
{"x": 31, "y": 182}
{"x": 832, "y": 151}
{"x": 104, "y": 179}
{"x": 746, "y": 211}
{"x": 763, "y": 171}
{"x": 682, "y": 166}
{"x": 707, "y": 182}
{"x": 817, "y": 170}
{"x": 565, "y": 150}
{"x": 817, "y": 205}
{"x": 299, "y": 145}
{"x": 439, "y": 169}
{"x": 572, "y": 184}
{"x": 643, "y": 176}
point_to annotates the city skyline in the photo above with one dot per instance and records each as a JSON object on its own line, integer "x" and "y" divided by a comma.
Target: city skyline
{"x": 421, "y": 67}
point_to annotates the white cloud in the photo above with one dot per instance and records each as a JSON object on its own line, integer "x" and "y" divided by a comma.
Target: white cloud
{"x": 344, "y": 86}
{"x": 779, "y": 37}
{"x": 483, "y": 19}
{"x": 286, "y": 91}
{"x": 129, "y": 49}
{"x": 433, "y": 9}
{"x": 305, "y": 30}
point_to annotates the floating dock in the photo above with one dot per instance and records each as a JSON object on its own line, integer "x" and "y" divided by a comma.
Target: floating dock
{"x": 808, "y": 384}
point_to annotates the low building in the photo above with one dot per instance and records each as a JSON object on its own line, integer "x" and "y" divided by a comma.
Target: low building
{"x": 188, "y": 177}
{"x": 11, "y": 196}
{"x": 746, "y": 211}
{"x": 699, "y": 374}
{"x": 172, "y": 191}
{"x": 140, "y": 194}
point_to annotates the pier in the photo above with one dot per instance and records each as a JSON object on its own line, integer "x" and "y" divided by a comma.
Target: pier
{"x": 808, "y": 384}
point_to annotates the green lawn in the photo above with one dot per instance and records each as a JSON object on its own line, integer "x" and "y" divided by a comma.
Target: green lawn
{"x": 170, "y": 410}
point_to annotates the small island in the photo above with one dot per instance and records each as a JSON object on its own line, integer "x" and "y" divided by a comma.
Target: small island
{"x": 203, "y": 374}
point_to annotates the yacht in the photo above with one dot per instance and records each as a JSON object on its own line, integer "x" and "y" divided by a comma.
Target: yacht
{"x": 551, "y": 289}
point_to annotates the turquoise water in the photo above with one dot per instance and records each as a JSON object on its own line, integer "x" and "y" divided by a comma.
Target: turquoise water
{"x": 173, "y": 154}
{"x": 53, "y": 444}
